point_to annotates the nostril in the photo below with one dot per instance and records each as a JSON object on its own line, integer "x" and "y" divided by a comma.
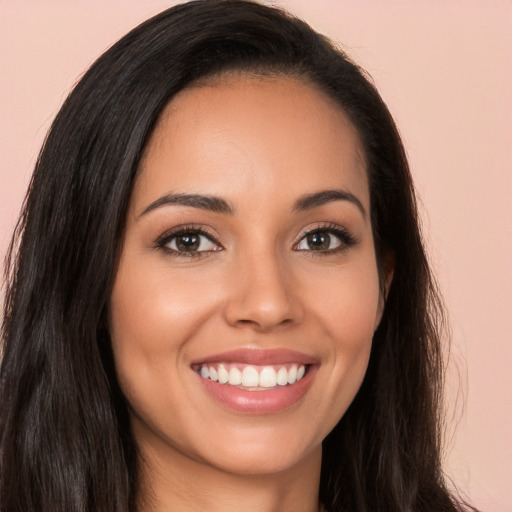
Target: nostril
{"x": 263, "y": 325}
{"x": 263, "y": 299}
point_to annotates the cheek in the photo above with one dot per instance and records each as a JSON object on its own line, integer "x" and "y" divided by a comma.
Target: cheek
{"x": 347, "y": 302}
{"x": 154, "y": 310}
{"x": 152, "y": 316}
{"x": 353, "y": 322}
{"x": 347, "y": 308}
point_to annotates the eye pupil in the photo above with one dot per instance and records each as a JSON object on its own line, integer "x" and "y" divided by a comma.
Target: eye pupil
{"x": 188, "y": 242}
{"x": 319, "y": 241}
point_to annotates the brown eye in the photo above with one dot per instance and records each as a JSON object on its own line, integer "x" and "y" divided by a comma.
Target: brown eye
{"x": 324, "y": 240}
{"x": 320, "y": 241}
{"x": 191, "y": 241}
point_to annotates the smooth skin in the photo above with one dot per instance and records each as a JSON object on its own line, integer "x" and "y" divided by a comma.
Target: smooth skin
{"x": 253, "y": 279}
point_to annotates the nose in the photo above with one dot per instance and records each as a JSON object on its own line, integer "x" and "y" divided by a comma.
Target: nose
{"x": 263, "y": 294}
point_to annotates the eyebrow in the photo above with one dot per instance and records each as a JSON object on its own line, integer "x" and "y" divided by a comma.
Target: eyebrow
{"x": 219, "y": 205}
{"x": 210, "y": 203}
{"x": 309, "y": 201}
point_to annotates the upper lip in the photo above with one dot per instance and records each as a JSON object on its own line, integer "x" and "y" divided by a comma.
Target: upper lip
{"x": 259, "y": 357}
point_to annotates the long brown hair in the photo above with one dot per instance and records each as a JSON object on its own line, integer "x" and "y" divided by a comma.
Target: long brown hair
{"x": 65, "y": 438}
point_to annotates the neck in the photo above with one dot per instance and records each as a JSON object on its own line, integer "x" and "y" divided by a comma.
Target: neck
{"x": 172, "y": 481}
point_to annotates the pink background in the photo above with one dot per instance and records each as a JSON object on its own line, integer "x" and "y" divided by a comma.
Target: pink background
{"x": 445, "y": 70}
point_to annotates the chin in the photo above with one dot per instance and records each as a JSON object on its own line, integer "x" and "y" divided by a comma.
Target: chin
{"x": 264, "y": 461}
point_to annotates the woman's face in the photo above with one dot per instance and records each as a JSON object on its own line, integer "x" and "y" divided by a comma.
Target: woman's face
{"x": 248, "y": 257}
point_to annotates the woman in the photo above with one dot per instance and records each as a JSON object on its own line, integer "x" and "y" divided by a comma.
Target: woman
{"x": 221, "y": 299}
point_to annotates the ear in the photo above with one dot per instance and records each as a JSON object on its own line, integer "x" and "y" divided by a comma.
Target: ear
{"x": 386, "y": 278}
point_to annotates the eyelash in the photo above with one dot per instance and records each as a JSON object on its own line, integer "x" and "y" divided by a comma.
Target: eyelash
{"x": 166, "y": 238}
{"x": 346, "y": 239}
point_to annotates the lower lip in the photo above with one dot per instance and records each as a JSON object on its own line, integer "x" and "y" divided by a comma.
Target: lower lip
{"x": 259, "y": 402}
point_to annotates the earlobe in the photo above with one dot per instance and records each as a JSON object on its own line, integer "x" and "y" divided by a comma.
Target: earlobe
{"x": 386, "y": 279}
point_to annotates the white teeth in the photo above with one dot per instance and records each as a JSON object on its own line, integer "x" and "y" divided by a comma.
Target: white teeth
{"x": 235, "y": 376}
{"x": 282, "y": 377}
{"x": 250, "y": 377}
{"x": 292, "y": 374}
{"x": 253, "y": 376}
{"x": 223, "y": 374}
{"x": 268, "y": 377}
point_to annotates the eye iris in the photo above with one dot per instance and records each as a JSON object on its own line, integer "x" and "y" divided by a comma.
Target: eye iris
{"x": 319, "y": 241}
{"x": 187, "y": 242}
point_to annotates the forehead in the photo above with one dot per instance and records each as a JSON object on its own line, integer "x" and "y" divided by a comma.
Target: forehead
{"x": 252, "y": 133}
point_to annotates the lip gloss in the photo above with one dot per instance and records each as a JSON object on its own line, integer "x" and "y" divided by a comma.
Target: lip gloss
{"x": 260, "y": 400}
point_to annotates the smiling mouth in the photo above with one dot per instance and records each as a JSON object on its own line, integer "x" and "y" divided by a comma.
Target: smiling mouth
{"x": 252, "y": 377}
